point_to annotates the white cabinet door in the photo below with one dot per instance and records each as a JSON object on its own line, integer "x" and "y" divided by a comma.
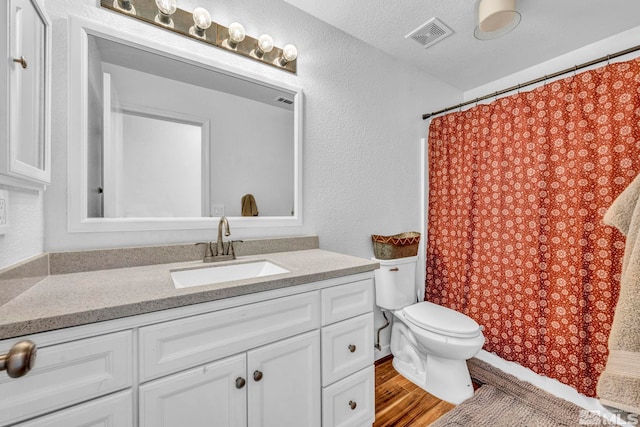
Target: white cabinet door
{"x": 210, "y": 395}
{"x": 111, "y": 411}
{"x": 28, "y": 98}
{"x": 284, "y": 383}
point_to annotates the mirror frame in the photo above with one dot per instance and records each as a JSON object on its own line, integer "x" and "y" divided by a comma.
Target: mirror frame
{"x": 77, "y": 219}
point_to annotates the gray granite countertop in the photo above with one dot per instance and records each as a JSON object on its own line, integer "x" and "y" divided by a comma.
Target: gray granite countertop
{"x": 72, "y": 299}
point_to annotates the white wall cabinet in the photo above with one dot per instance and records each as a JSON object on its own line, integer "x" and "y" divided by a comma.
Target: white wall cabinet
{"x": 300, "y": 356}
{"x": 25, "y": 43}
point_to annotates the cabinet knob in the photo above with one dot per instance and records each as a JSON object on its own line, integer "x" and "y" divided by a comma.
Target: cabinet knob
{"x": 21, "y": 61}
{"x": 19, "y": 360}
{"x": 352, "y": 348}
{"x": 240, "y": 382}
{"x": 352, "y": 405}
{"x": 257, "y": 375}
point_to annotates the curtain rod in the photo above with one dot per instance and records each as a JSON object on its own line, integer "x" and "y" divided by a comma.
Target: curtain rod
{"x": 538, "y": 80}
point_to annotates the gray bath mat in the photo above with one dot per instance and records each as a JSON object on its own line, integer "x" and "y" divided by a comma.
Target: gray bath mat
{"x": 505, "y": 401}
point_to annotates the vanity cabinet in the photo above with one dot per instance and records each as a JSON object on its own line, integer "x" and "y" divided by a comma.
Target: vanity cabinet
{"x": 25, "y": 42}
{"x": 279, "y": 381}
{"x": 291, "y": 357}
{"x": 274, "y": 385}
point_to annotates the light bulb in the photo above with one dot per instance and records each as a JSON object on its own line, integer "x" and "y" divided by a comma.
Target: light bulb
{"x": 201, "y": 21}
{"x": 236, "y": 34}
{"x": 201, "y": 18}
{"x": 167, "y": 7}
{"x": 289, "y": 54}
{"x": 265, "y": 43}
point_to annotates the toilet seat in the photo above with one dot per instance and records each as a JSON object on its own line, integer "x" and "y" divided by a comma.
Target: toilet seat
{"x": 441, "y": 320}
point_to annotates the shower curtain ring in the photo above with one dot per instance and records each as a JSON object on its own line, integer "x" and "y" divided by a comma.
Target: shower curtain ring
{"x": 518, "y": 88}
{"x": 608, "y": 59}
{"x": 575, "y": 70}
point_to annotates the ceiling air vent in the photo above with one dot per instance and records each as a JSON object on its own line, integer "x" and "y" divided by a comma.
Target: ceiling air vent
{"x": 284, "y": 100}
{"x": 430, "y": 33}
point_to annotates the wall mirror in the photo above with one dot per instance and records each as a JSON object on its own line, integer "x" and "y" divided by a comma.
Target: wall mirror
{"x": 162, "y": 140}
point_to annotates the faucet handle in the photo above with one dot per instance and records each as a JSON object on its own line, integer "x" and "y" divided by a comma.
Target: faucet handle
{"x": 231, "y": 248}
{"x": 208, "y": 253}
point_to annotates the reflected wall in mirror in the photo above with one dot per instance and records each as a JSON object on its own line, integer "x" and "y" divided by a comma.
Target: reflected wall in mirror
{"x": 168, "y": 139}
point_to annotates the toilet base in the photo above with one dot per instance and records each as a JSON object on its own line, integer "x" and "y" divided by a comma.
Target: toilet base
{"x": 446, "y": 379}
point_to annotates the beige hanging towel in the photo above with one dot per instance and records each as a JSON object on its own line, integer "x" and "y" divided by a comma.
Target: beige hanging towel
{"x": 619, "y": 384}
{"x": 249, "y": 207}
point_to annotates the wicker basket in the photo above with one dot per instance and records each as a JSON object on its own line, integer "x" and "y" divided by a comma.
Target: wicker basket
{"x": 397, "y": 246}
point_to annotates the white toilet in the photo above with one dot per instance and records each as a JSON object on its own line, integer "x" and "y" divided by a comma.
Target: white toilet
{"x": 430, "y": 343}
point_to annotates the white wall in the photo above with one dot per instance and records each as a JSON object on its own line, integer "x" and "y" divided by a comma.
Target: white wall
{"x": 161, "y": 168}
{"x": 24, "y": 237}
{"x": 362, "y": 126}
{"x": 588, "y": 53}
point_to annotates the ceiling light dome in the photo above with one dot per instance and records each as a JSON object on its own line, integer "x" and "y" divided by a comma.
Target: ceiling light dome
{"x": 496, "y": 18}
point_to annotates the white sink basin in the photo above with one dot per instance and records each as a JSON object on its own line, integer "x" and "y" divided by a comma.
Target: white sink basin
{"x": 224, "y": 273}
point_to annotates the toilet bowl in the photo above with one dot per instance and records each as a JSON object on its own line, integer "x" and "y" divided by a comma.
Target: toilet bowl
{"x": 430, "y": 343}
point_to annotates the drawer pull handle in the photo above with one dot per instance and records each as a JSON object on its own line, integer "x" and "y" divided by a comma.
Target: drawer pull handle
{"x": 352, "y": 348}
{"x": 352, "y": 405}
{"x": 21, "y": 61}
{"x": 394, "y": 269}
{"x": 257, "y": 375}
{"x": 19, "y": 360}
{"x": 240, "y": 382}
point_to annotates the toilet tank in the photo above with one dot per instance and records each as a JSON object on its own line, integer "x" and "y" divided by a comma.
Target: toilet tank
{"x": 395, "y": 282}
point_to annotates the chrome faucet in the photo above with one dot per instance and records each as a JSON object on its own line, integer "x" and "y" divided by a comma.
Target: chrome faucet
{"x": 220, "y": 244}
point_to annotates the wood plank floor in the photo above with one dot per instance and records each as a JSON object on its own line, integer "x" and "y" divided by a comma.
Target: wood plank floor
{"x": 400, "y": 403}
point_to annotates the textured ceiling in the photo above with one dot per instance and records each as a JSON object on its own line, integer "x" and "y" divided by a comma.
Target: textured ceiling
{"x": 549, "y": 28}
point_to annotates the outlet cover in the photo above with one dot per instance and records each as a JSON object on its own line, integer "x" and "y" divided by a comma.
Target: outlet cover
{"x": 217, "y": 210}
{"x": 4, "y": 207}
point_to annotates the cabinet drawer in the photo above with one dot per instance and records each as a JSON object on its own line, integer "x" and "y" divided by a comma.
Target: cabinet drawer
{"x": 68, "y": 373}
{"x": 111, "y": 411}
{"x": 179, "y": 344}
{"x": 345, "y": 301}
{"x": 347, "y": 347}
{"x": 350, "y": 401}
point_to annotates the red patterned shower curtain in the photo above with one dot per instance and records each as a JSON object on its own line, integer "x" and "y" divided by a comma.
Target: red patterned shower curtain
{"x": 517, "y": 192}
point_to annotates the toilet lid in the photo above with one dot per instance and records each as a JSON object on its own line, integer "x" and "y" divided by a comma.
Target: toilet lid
{"x": 441, "y": 320}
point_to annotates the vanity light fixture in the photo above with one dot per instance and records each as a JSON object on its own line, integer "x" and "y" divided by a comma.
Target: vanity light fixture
{"x": 166, "y": 8}
{"x": 236, "y": 35}
{"x": 201, "y": 21}
{"x": 198, "y": 25}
